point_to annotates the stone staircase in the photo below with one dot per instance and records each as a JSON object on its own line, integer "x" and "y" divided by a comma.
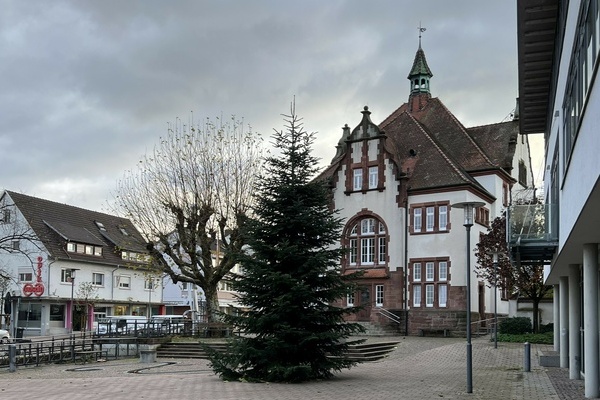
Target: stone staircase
{"x": 361, "y": 352}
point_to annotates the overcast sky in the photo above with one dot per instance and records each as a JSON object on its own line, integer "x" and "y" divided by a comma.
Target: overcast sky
{"x": 88, "y": 87}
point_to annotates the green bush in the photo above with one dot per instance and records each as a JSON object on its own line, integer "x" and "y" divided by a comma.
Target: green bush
{"x": 515, "y": 326}
{"x": 547, "y": 328}
{"x": 539, "y": 338}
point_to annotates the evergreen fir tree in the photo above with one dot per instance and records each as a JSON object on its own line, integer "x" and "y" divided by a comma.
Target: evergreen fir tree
{"x": 292, "y": 331}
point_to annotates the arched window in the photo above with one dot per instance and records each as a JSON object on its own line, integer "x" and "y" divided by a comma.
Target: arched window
{"x": 366, "y": 239}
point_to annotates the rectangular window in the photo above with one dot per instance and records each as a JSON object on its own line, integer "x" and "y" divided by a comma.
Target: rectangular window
{"x": 429, "y": 271}
{"x": 350, "y": 300}
{"x": 71, "y": 247}
{"x": 430, "y": 218}
{"x": 66, "y": 274}
{"x": 357, "y": 182}
{"x": 89, "y": 249}
{"x": 382, "y": 250}
{"x": 367, "y": 251}
{"x": 428, "y": 295}
{"x": 379, "y": 296}
{"x": 124, "y": 282}
{"x": 25, "y": 275}
{"x": 368, "y": 226}
{"x": 16, "y": 245}
{"x": 149, "y": 284}
{"x": 184, "y": 286}
{"x": 417, "y": 220}
{"x": 97, "y": 279}
{"x": 416, "y": 295}
{"x": 443, "y": 218}
{"x": 442, "y": 295}
{"x": 80, "y": 248}
{"x": 57, "y": 312}
{"x": 373, "y": 177}
{"x": 417, "y": 272}
{"x": 443, "y": 271}
{"x": 6, "y": 216}
{"x": 353, "y": 251}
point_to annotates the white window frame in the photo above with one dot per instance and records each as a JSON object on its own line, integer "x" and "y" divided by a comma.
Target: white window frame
{"x": 417, "y": 220}
{"x": 367, "y": 226}
{"x": 430, "y": 219}
{"x": 357, "y": 179}
{"x": 416, "y": 295}
{"x": 429, "y": 295}
{"x": 95, "y": 282}
{"x": 429, "y": 271}
{"x": 378, "y": 295}
{"x": 443, "y": 271}
{"x": 124, "y": 282}
{"x": 350, "y": 299}
{"x": 373, "y": 177}
{"x": 382, "y": 253}
{"x": 442, "y": 295}
{"x": 65, "y": 275}
{"x": 443, "y": 218}
{"x": 25, "y": 275}
{"x": 367, "y": 251}
{"x": 353, "y": 251}
{"x": 417, "y": 272}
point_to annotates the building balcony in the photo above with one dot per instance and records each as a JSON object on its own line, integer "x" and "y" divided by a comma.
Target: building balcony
{"x": 532, "y": 232}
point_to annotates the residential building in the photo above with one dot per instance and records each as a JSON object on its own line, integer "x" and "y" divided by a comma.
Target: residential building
{"x": 395, "y": 184}
{"x": 79, "y": 265}
{"x": 559, "y": 43}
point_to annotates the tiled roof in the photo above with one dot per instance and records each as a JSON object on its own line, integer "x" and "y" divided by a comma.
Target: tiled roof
{"x": 435, "y": 150}
{"x": 56, "y": 224}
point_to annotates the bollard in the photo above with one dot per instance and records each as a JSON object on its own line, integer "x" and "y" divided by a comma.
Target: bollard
{"x": 12, "y": 357}
{"x": 527, "y": 357}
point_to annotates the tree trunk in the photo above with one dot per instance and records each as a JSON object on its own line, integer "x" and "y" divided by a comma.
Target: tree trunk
{"x": 536, "y": 309}
{"x": 212, "y": 305}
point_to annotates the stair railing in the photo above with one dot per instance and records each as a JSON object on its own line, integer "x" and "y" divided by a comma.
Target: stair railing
{"x": 389, "y": 315}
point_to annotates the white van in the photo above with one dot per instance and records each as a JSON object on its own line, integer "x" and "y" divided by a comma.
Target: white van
{"x": 122, "y": 325}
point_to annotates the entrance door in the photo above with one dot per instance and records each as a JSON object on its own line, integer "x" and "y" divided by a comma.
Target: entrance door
{"x": 364, "y": 301}
{"x": 481, "y": 300}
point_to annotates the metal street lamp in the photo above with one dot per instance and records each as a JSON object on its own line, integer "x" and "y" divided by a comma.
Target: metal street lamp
{"x": 495, "y": 259}
{"x": 469, "y": 207}
{"x": 72, "y": 278}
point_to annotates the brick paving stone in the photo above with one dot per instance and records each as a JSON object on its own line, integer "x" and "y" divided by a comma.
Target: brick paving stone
{"x": 419, "y": 368}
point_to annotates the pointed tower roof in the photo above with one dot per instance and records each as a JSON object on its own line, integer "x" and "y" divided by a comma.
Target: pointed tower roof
{"x": 420, "y": 66}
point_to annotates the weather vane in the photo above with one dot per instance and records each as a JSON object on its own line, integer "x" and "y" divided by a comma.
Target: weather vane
{"x": 421, "y": 30}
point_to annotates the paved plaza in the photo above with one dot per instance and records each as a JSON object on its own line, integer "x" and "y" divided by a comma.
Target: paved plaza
{"x": 419, "y": 368}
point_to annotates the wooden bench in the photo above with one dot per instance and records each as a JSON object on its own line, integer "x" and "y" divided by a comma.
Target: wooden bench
{"x": 442, "y": 331}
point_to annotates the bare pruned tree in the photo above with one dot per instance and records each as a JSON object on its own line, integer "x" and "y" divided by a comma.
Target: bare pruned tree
{"x": 188, "y": 197}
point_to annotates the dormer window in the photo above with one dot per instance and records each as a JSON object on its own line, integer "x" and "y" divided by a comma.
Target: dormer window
{"x": 123, "y": 231}
{"x": 82, "y": 248}
{"x": 100, "y": 225}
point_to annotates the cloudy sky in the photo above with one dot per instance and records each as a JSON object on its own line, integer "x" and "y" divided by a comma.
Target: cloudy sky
{"x": 88, "y": 87}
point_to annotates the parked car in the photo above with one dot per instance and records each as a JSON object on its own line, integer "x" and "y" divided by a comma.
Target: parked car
{"x": 4, "y": 336}
{"x": 122, "y": 325}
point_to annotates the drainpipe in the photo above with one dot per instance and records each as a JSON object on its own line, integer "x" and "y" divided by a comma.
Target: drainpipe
{"x": 405, "y": 296}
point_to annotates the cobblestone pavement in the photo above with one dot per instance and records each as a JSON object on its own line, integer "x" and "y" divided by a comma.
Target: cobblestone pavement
{"x": 419, "y": 368}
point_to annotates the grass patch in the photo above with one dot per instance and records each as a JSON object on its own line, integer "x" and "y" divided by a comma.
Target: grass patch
{"x": 539, "y": 338}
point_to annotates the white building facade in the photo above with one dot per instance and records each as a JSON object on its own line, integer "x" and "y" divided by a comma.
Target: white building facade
{"x": 70, "y": 268}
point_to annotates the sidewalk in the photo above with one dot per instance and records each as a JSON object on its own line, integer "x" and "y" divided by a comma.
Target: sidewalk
{"x": 420, "y": 368}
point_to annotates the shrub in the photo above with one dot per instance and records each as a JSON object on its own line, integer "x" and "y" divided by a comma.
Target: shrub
{"x": 540, "y": 338}
{"x": 547, "y": 328}
{"x": 515, "y": 326}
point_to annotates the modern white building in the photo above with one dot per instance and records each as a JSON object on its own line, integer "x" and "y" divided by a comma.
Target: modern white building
{"x": 396, "y": 182}
{"x": 559, "y": 43}
{"x": 78, "y": 266}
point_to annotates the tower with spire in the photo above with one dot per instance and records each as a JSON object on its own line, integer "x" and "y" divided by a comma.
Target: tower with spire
{"x": 419, "y": 77}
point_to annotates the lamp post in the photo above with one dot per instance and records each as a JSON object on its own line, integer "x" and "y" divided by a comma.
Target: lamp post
{"x": 468, "y": 208}
{"x": 72, "y": 278}
{"x": 495, "y": 259}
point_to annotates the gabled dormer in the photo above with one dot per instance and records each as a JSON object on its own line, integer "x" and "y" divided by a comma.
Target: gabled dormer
{"x": 364, "y": 160}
